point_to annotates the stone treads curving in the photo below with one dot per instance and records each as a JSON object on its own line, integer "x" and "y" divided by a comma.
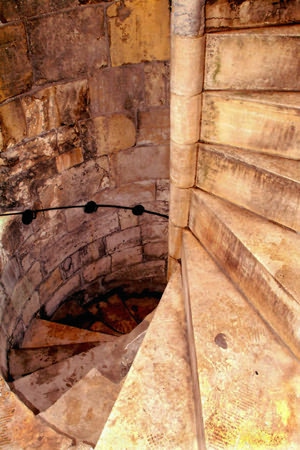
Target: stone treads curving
{"x": 42, "y": 388}
{"x": 262, "y": 122}
{"x": 20, "y": 429}
{"x": 83, "y": 410}
{"x": 155, "y": 408}
{"x": 261, "y": 257}
{"x": 249, "y": 381}
{"x": 266, "y": 185}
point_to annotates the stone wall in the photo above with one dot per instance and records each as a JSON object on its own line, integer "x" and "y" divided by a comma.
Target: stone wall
{"x": 84, "y": 115}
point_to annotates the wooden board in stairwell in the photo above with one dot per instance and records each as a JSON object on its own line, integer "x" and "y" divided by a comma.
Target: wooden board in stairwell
{"x": 256, "y": 59}
{"x": 262, "y": 258}
{"x": 249, "y": 381}
{"x": 260, "y": 122}
{"x": 266, "y": 185}
{"x": 42, "y": 333}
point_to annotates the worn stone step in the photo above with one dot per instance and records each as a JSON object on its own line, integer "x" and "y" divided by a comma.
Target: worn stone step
{"x": 261, "y": 257}
{"x": 42, "y": 388}
{"x": 82, "y": 411}
{"x": 261, "y": 122}
{"x": 268, "y": 186}
{"x": 42, "y": 333}
{"x": 257, "y": 59}
{"x": 24, "y": 361}
{"x": 155, "y": 407}
{"x": 20, "y": 429}
{"x": 249, "y": 381}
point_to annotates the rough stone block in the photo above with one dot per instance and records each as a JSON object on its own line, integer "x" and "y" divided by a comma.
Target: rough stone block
{"x": 157, "y": 83}
{"x": 223, "y": 14}
{"x": 263, "y": 59}
{"x": 15, "y": 70}
{"x": 114, "y": 133}
{"x": 128, "y": 256}
{"x": 185, "y": 118}
{"x": 67, "y": 44}
{"x": 12, "y": 122}
{"x": 162, "y": 190}
{"x": 97, "y": 269}
{"x": 141, "y": 163}
{"x": 157, "y": 250}
{"x": 188, "y": 17}
{"x": 10, "y": 275}
{"x": 123, "y": 239}
{"x": 154, "y": 126}
{"x": 15, "y": 10}
{"x": 182, "y": 164}
{"x": 179, "y": 205}
{"x": 154, "y": 231}
{"x": 175, "y": 241}
{"x": 68, "y": 288}
{"x": 154, "y": 270}
{"x": 136, "y": 32}
{"x": 187, "y": 79}
{"x": 125, "y": 86}
{"x": 69, "y": 159}
{"x": 128, "y": 195}
{"x": 127, "y": 219}
{"x": 31, "y": 307}
{"x": 50, "y": 285}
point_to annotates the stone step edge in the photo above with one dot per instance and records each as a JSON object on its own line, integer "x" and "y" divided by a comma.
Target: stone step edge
{"x": 283, "y": 314}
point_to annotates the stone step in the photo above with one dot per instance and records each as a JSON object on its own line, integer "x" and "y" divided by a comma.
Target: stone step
{"x": 257, "y": 59}
{"x": 20, "y": 429}
{"x": 42, "y": 333}
{"x": 261, "y": 257}
{"x": 249, "y": 381}
{"x": 261, "y": 122}
{"x": 155, "y": 408}
{"x": 24, "y": 361}
{"x": 82, "y": 411}
{"x": 42, "y": 388}
{"x": 268, "y": 186}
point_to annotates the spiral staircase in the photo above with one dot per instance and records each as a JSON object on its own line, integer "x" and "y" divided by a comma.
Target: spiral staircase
{"x": 216, "y": 365}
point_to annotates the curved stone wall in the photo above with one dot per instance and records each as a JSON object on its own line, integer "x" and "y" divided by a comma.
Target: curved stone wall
{"x": 84, "y": 116}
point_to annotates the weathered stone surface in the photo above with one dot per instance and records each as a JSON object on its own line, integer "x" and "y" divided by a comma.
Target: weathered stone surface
{"x": 156, "y": 250}
{"x": 188, "y": 17}
{"x": 97, "y": 269}
{"x": 13, "y": 11}
{"x": 69, "y": 159}
{"x": 12, "y": 123}
{"x": 50, "y": 284}
{"x": 114, "y": 133}
{"x": 123, "y": 239}
{"x": 231, "y": 14}
{"x": 153, "y": 126}
{"x": 128, "y": 195}
{"x": 156, "y": 407}
{"x": 154, "y": 231}
{"x": 70, "y": 43}
{"x": 179, "y": 205}
{"x": 31, "y": 308}
{"x": 132, "y": 255}
{"x": 262, "y": 258}
{"x": 15, "y": 70}
{"x": 135, "y": 33}
{"x": 157, "y": 83}
{"x": 125, "y": 86}
{"x": 162, "y": 192}
{"x": 264, "y": 123}
{"x": 185, "y": 114}
{"x": 127, "y": 219}
{"x": 70, "y": 187}
{"x": 141, "y": 163}
{"x": 266, "y": 185}
{"x": 10, "y": 275}
{"x": 187, "y": 78}
{"x": 21, "y": 429}
{"x": 84, "y": 420}
{"x": 264, "y": 58}
{"x": 182, "y": 164}
{"x": 70, "y": 286}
